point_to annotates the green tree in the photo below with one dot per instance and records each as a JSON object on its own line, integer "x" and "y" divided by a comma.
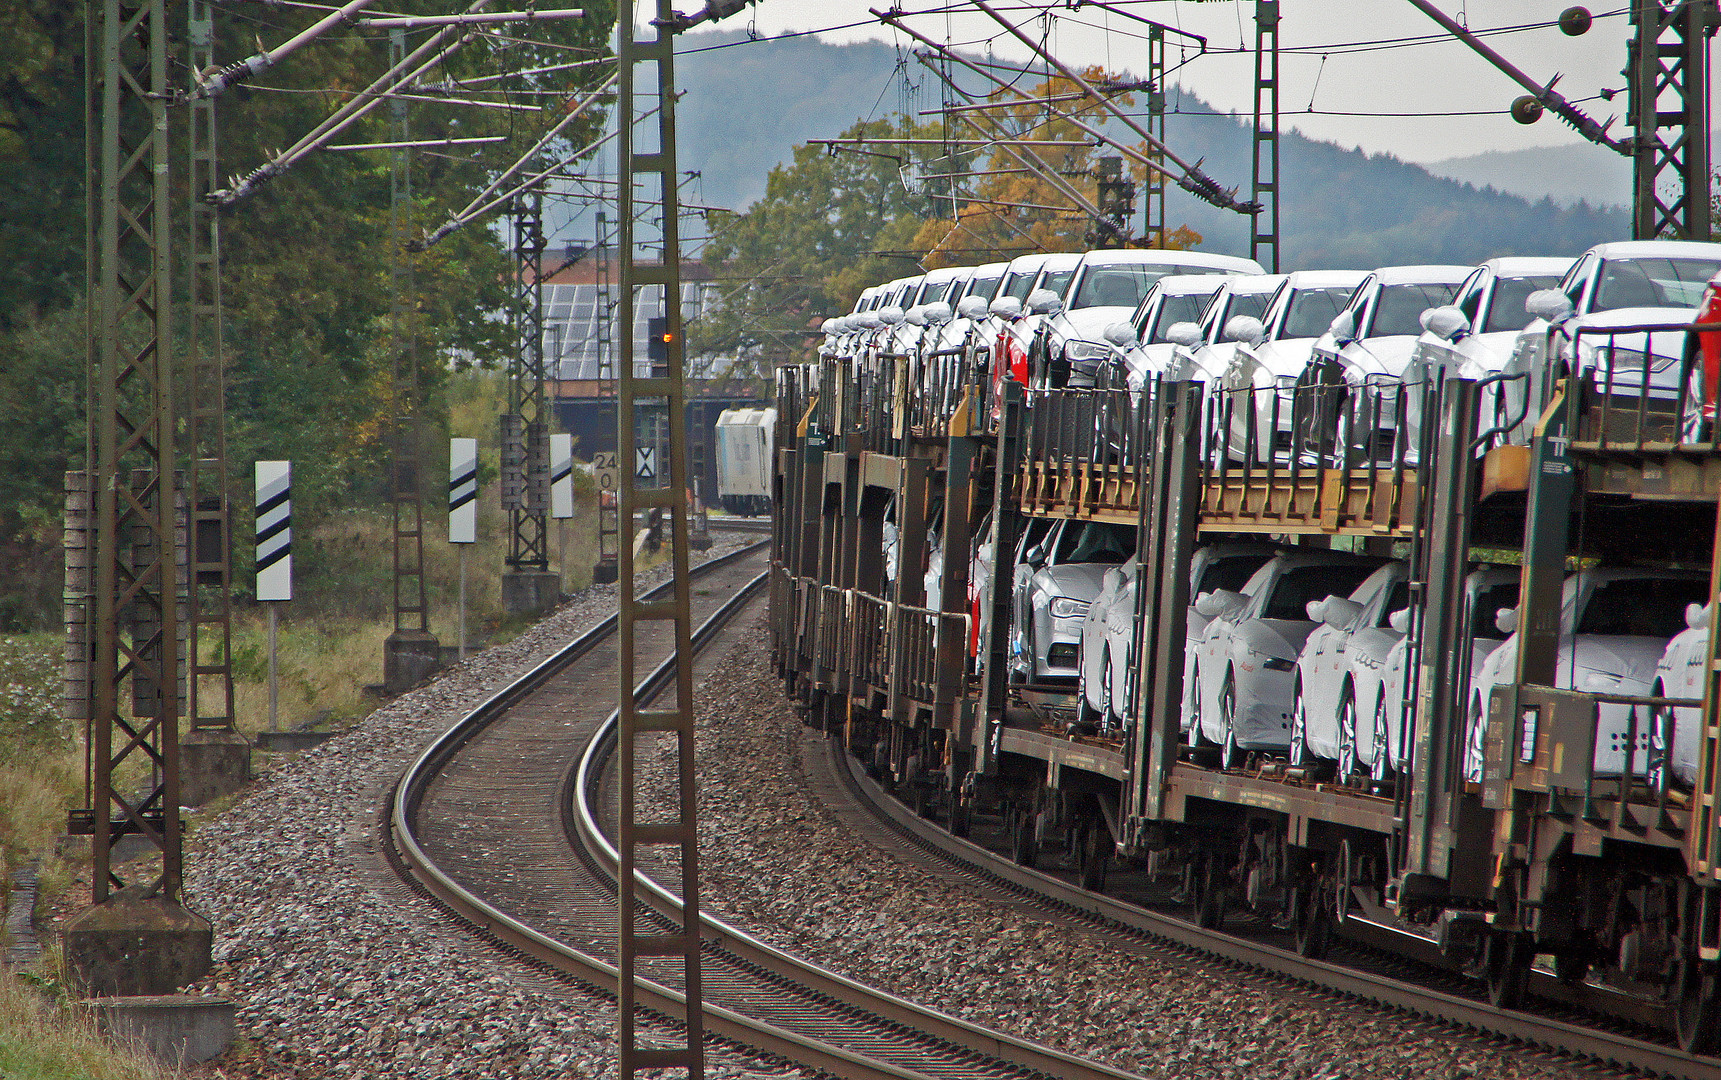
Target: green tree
{"x": 306, "y": 259}
{"x": 829, "y": 225}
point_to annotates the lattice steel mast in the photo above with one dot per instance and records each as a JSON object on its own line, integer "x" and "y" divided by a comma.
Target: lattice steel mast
{"x": 209, "y": 697}
{"x": 1153, "y": 183}
{"x": 525, "y": 487}
{"x": 660, "y": 392}
{"x": 1668, "y": 74}
{"x": 1264, "y": 190}
{"x": 132, "y": 608}
{"x": 410, "y": 653}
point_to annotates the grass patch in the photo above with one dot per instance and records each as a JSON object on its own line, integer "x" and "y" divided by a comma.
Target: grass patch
{"x": 43, "y": 1040}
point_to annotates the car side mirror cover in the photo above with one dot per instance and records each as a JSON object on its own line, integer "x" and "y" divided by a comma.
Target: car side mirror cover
{"x": 1400, "y": 620}
{"x": 890, "y": 315}
{"x": 1005, "y": 307}
{"x": 1121, "y": 335}
{"x": 937, "y": 313}
{"x": 1338, "y": 613}
{"x": 1446, "y": 323}
{"x": 1697, "y": 616}
{"x": 1207, "y": 606}
{"x": 1506, "y": 620}
{"x": 972, "y": 307}
{"x": 1044, "y": 302}
{"x": 1550, "y": 305}
{"x": 1343, "y": 328}
{"x": 1186, "y": 334}
{"x": 1224, "y": 603}
{"x": 915, "y": 316}
{"x": 1245, "y": 329}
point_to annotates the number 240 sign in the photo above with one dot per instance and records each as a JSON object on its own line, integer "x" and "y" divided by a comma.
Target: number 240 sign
{"x": 604, "y": 471}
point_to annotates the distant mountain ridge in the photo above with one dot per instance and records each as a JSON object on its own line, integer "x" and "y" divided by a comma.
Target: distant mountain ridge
{"x": 747, "y": 106}
{"x": 1568, "y": 174}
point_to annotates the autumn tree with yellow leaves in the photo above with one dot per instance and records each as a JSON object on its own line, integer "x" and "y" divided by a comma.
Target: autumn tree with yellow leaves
{"x": 1025, "y": 197}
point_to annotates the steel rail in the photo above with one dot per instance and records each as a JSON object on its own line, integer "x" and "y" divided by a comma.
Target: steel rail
{"x": 577, "y": 801}
{"x": 664, "y": 1000}
{"x": 1606, "y": 1047}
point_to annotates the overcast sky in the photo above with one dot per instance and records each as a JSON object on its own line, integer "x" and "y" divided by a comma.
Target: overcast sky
{"x": 1323, "y": 66}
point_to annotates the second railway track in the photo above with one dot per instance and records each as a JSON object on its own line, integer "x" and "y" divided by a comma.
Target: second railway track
{"x": 495, "y": 819}
{"x": 1051, "y": 893}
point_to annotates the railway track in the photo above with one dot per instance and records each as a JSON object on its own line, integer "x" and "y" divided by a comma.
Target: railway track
{"x": 498, "y": 821}
{"x": 1065, "y": 899}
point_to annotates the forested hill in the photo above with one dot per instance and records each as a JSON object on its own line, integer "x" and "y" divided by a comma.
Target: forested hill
{"x": 748, "y": 105}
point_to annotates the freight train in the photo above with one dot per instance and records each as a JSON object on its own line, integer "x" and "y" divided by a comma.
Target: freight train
{"x": 1372, "y": 604}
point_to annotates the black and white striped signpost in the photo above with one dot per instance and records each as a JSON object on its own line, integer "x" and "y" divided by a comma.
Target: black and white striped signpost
{"x": 562, "y": 495}
{"x": 462, "y": 511}
{"x": 274, "y": 556}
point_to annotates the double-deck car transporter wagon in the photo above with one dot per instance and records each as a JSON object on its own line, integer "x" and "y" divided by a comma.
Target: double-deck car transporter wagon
{"x": 1544, "y": 821}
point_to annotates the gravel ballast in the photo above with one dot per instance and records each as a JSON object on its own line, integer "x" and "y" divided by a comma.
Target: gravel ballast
{"x": 338, "y": 971}
{"x": 778, "y": 863}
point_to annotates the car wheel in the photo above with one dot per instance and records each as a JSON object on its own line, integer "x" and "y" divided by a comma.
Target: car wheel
{"x": 1088, "y": 718}
{"x": 1381, "y": 772}
{"x": 1695, "y": 422}
{"x": 1195, "y": 737}
{"x": 1230, "y": 755}
{"x": 1347, "y": 735}
{"x": 1473, "y": 742}
{"x": 1300, "y": 755}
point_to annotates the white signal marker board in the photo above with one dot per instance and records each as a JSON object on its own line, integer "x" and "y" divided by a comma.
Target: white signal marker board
{"x": 274, "y": 530}
{"x": 561, "y": 476}
{"x": 462, "y": 491}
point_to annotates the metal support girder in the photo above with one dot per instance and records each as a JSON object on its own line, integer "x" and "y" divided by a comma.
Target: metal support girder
{"x": 649, "y": 176}
{"x": 411, "y": 610}
{"x": 609, "y": 523}
{"x": 528, "y": 532}
{"x": 1264, "y": 225}
{"x": 1440, "y": 561}
{"x": 132, "y": 608}
{"x": 1170, "y": 487}
{"x": 209, "y": 646}
{"x": 1703, "y": 838}
{"x": 994, "y": 637}
{"x": 1668, "y": 102}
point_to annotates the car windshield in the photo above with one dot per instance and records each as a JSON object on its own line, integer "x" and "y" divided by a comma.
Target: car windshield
{"x": 1116, "y": 286}
{"x": 1296, "y": 587}
{"x": 1399, "y": 308}
{"x": 1659, "y": 282}
{"x": 1313, "y": 310}
{"x": 983, "y": 287}
{"x": 1033, "y": 536}
{"x": 1059, "y": 280}
{"x": 943, "y": 291}
{"x": 1641, "y": 607}
{"x": 1488, "y": 605}
{"x": 1020, "y": 284}
{"x": 1173, "y": 310}
{"x": 1095, "y": 542}
{"x": 1230, "y": 573}
{"x": 1506, "y": 310}
{"x": 1399, "y": 599}
{"x": 1253, "y": 305}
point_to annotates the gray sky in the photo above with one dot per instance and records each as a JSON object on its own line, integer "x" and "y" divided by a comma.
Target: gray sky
{"x": 1442, "y": 76}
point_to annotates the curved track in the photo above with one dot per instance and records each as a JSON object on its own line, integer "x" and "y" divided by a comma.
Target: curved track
{"x": 496, "y": 820}
{"x": 1064, "y": 898}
